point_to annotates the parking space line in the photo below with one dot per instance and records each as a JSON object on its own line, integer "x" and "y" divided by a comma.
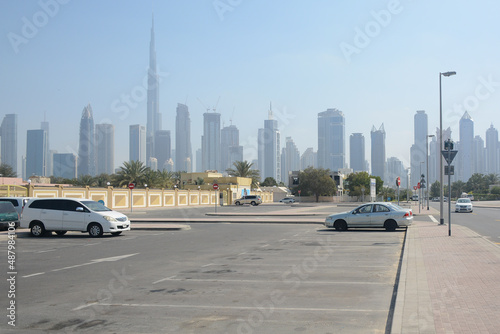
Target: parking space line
{"x": 297, "y": 309}
{"x": 26, "y": 276}
{"x": 264, "y": 246}
{"x": 208, "y": 265}
{"x": 165, "y": 279}
{"x": 45, "y": 251}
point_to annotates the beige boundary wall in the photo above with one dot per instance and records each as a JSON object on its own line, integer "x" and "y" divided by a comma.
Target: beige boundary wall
{"x": 119, "y": 199}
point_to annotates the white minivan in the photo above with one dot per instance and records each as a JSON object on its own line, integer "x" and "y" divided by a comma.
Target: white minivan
{"x": 61, "y": 215}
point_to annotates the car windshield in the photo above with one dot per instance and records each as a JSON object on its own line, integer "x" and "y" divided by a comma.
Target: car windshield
{"x": 95, "y": 206}
{"x": 463, "y": 200}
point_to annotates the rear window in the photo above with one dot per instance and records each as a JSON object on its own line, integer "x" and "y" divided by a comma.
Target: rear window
{"x": 6, "y": 207}
{"x": 49, "y": 204}
{"x": 12, "y": 200}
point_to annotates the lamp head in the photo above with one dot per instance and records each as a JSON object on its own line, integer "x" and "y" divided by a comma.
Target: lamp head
{"x": 447, "y": 74}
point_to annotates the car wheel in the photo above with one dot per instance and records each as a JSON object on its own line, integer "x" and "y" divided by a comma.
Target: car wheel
{"x": 116, "y": 233}
{"x": 95, "y": 230}
{"x": 253, "y": 203}
{"x": 61, "y": 233}
{"x": 237, "y": 203}
{"x": 340, "y": 225}
{"x": 37, "y": 229}
{"x": 390, "y": 225}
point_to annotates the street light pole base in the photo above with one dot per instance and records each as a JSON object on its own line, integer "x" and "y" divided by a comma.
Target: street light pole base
{"x": 441, "y": 221}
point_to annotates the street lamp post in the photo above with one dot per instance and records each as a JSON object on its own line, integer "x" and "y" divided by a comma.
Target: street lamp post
{"x": 427, "y": 159}
{"x": 441, "y": 216}
{"x": 420, "y": 190}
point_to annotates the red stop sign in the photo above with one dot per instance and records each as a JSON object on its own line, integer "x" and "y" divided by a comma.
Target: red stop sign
{"x": 398, "y": 181}
{"x": 418, "y": 185}
{"x": 415, "y": 187}
{"x": 131, "y": 185}
{"x": 216, "y": 186}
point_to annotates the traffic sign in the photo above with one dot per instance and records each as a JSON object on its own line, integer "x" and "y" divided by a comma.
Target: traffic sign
{"x": 414, "y": 187}
{"x": 449, "y": 155}
{"x": 131, "y": 185}
{"x": 418, "y": 185}
{"x": 398, "y": 181}
{"x": 216, "y": 186}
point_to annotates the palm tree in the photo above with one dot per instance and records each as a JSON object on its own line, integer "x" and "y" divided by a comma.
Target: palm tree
{"x": 84, "y": 181}
{"x": 165, "y": 179}
{"x": 244, "y": 169}
{"x": 131, "y": 172}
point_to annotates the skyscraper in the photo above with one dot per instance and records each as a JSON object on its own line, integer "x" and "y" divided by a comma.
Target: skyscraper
{"x": 183, "y": 151}
{"x": 492, "y": 147}
{"x": 65, "y": 165}
{"x": 154, "y": 116}
{"x": 465, "y": 154}
{"x": 308, "y": 158}
{"x": 36, "y": 144}
{"x": 378, "y": 152}
{"x": 479, "y": 156}
{"x": 8, "y": 133}
{"x": 105, "y": 147}
{"x": 331, "y": 140}
{"x": 86, "y": 148}
{"x": 291, "y": 160}
{"x": 137, "y": 147}
{"x": 210, "y": 148}
{"x": 162, "y": 148}
{"x": 418, "y": 150}
{"x": 48, "y": 156}
{"x": 357, "y": 152}
{"x": 269, "y": 139}
{"x": 230, "y": 147}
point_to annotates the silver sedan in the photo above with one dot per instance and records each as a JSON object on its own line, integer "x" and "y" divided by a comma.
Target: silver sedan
{"x": 379, "y": 214}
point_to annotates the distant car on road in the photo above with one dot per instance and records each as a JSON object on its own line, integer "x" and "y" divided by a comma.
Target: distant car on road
{"x": 249, "y": 199}
{"x": 463, "y": 205}
{"x": 8, "y": 215}
{"x": 287, "y": 200}
{"x": 379, "y": 214}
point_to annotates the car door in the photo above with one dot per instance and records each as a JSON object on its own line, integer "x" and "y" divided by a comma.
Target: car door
{"x": 379, "y": 215}
{"x": 360, "y": 216}
{"x": 74, "y": 217}
{"x": 50, "y": 213}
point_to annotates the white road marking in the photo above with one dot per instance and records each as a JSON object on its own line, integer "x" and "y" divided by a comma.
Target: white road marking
{"x": 208, "y": 265}
{"x": 106, "y": 259}
{"x": 84, "y": 306}
{"x": 299, "y": 309}
{"x": 165, "y": 279}
{"x": 97, "y": 243}
{"x": 242, "y": 253}
{"x": 33, "y": 275}
{"x": 433, "y": 219}
{"x": 268, "y": 281}
{"x": 45, "y": 251}
{"x": 264, "y": 246}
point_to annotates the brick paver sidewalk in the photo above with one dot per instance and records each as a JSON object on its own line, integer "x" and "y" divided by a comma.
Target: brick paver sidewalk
{"x": 448, "y": 284}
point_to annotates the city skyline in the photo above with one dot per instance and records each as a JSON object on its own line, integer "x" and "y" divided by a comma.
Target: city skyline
{"x": 202, "y": 54}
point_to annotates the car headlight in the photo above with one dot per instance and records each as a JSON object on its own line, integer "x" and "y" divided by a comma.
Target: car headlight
{"x": 110, "y": 219}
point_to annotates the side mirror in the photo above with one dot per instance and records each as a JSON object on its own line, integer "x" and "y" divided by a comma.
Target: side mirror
{"x": 79, "y": 209}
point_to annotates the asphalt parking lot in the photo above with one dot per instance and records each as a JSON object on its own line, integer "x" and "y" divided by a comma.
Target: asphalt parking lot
{"x": 213, "y": 278}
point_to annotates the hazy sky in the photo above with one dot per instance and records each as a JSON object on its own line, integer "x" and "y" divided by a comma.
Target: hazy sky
{"x": 377, "y": 61}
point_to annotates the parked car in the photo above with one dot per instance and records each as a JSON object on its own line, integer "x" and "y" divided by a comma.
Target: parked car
{"x": 8, "y": 215}
{"x": 287, "y": 200}
{"x": 18, "y": 202}
{"x": 379, "y": 214}
{"x": 60, "y": 215}
{"x": 249, "y": 199}
{"x": 463, "y": 205}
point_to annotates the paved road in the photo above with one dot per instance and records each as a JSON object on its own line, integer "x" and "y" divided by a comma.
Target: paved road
{"x": 213, "y": 278}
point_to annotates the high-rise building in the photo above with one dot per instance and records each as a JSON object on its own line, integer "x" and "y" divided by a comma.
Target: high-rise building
{"x": 479, "y": 156}
{"x": 183, "y": 152}
{"x": 86, "y": 148}
{"x": 465, "y": 154}
{"x": 36, "y": 144}
{"x": 153, "y": 107}
{"x": 357, "y": 152}
{"x": 210, "y": 142}
{"x": 137, "y": 147}
{"x": 269, "y": 142}
{"x": 48, "y": 168}
{"x": 492, "y": 147}
{"x": 199, "y": 161}
{"x": 308, "y": 158}
{"x": 8, "y": 134}
{"x": 231, "y": 151}
{"x": 162, "y": 148}
{"x": 395, "y": 169}
{"x": 65, "y": 165}
{"x": 378, "y": 152}
{"x": 331, "y": 140}
{"x": 260, "y": 153}
{"x": 105, "y": 148}
{"x": 418, "y": 150}
{"x": 291, "y": 160}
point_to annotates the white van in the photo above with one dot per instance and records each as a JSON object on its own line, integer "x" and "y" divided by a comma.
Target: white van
{"x": 61, "y": 215}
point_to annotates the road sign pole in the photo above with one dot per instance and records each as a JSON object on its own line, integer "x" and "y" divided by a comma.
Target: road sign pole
{"x": 131, "y": 201}
{"x": 449, "y": 193}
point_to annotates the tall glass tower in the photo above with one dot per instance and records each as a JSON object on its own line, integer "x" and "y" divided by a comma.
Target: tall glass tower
{"x": 86, "y": 148}
{"x": 378, "y": 152}
{"x": 154, "y": 117}
{"x": 105, "y": 147}
{"x": 331, "y": 140}
{"x": 8, "y": 133}
{"x": 465, "y": 153}
{"x": 183, "y": 153}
